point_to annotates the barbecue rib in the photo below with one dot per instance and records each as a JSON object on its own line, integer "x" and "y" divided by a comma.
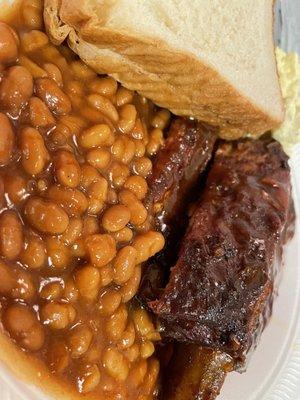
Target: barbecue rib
{"x": 193, "y": 372}
{"x": 221, "y": 289}
{"x": 176, "y": 172}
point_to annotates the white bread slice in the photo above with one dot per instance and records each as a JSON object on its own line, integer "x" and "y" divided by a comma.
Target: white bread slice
{"x": 210, "y": 59}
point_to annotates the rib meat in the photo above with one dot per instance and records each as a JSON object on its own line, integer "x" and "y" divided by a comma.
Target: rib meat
{"x": 176, "y": 172}
{"x": 192, "y": 372}
{"x": 221, "y": 289}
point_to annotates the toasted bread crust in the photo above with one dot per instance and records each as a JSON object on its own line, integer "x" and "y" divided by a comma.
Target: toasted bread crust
{"x": 138, "y": 63}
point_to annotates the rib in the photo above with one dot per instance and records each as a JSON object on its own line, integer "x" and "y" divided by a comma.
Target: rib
{"x": 193, "y": 372}
{"x": 221, "y": 289}
{"x": 176, "y": 172}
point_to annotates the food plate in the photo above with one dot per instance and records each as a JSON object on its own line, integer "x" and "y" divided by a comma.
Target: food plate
{"x": 274, "y": 370}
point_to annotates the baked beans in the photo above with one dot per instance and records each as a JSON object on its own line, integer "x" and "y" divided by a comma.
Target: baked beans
{"x": 75, "y": 153}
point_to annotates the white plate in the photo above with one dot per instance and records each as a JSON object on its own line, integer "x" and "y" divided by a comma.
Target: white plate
{"x": 274, "y": 370}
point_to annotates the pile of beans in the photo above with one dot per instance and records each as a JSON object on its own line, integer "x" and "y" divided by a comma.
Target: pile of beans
{"x": 75, "y": 153}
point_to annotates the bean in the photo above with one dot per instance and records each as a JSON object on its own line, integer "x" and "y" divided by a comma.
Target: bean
{"x": 104, "y": 105}
{"x": 124, "y": 96}
{"x": 16, "y": 89}
{"x": 98, "y": 158}
{"x": 67, "y": 169}
{"x": 106, "y": 86}
{"x": 124, "y": 264}
{"x": 34, "y": 253}
{"x": 7, "y": 140}
{"x": 116, "y": 323}
{"x": 90, "y": 379}
{"x": 115, "y": 218}
{"x": 78, "y": 249}
{"x": 155, "y": 142}
{"x": 73, "y": 201}
{"x": 15, "y": 187}
{"x": 90, "y": 226}
{"x": 8, "y": 44}
{"x": 147, "y": 349}
{"x": 93, "y": 354}
{"x": 58, "y": 356}
{"x": 96, "y": 136}
{"x": 87, "y": 280}
{"x": 34, "y": 40}
{"x": 34, "y": 69}
{"x": 130, "y": 288}
{"x": 161, "y": 119}
{"x": 73, "y": 231}
{"x": 24, "y": 326}
{"x": 24, "y": 288}
{"x": 57, "y": 101}
{"x": 138, "y": 212}
{"x": 142, "y": 166}
{"x": 115, "y": 364}
{"x": 98, "y": 190}
{"x": 32, "y": 13}
{"x": 106, "y": 275}
{"x": 123, "y": 235}
{"x": 71, "y": 293}
{"x": 46, "y": 216}
{"x": 58, "y": 253}
{"x": 57, "y": 316}
{"x": 112, "y": 196}
{"x": 74, "y": 123}
{"x": 34, "y": 153}
{"x": 54, "y": 73}
{"x": 128, "y": 337}
{"x": 109, "y": 301}
{"x": 127, "y": 118}
{"x": 16, "y": 283}
{"x": 52, "y": 291}
{"x": 101, "y": 249}
{"x": 148, "y": 244}
{"x": 60, "y": 135}
{"x": 140, "y": 149}
{"x": 123, "y": 149}
{"x": 137, "y": 185}
{"x": 11, "y": 235}
{"x": 39, "y": 113}
{"x": 80, "y": 340}
{"x": 118, "y": 174}
{"x": 138, "y": 131}
{"x": 142, "y": 322}
{"x": 75, "y": 87}
{"x": 89, "y": 175}
{"x": 132, "y": 353}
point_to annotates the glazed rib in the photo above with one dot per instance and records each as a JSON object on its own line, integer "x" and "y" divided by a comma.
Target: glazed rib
{"x": 176, "y": 172}
{"x": 193, "y": 372}
{"x": 221, "y": 289}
